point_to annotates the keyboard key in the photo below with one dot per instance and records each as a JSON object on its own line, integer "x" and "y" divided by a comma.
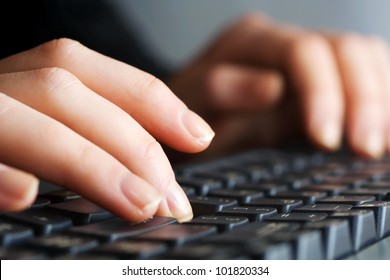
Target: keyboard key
{"x": 178, "y": 234}
{"x": 307, "y": 244}
{"x": 205, "y": 252}
{"x": 347, "y": 199}
{"x": 43, "y": 223}
{"x": 63, "y": 244}
{"x": 323, "y": 208}
{"x": 201, "y": 186}
{"x": 11, "y": 234}
{"x": 131, "y": 249}
{"x": 308, "y": 197}
{"x": 330, "y": 189}
{"x": 382, "y": 216}
{"x": 242, "y": 196}
{"x": 117, "y": 228}
{"x": 267, "y": 188}
{"x": 361, "y": 224}
{"x": 60, "y": 195}
{"x": 80, "y": 210}
{"x": 40, "y": 202}
{"x": 297, "y": 217}
{"x": 252, "y": 233}
{"x": 254, "y": 214}
{"x": 282, "y": 205}
{"x": 228, "y": 179}
{"x": 336, "y": 237}
{"x": 223, "y": 223}
{"x": 269, "y": 250}
{"x": 209, "y": 205}
{"x": 377, "y": 193}
{"x": 22, "y": 254}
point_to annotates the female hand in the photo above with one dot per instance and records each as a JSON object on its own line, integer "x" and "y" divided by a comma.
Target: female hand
{"x": 262, "y": 82}
{"x": 77, "y": 118}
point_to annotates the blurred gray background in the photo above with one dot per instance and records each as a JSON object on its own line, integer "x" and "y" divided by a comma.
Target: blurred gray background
{"x": 175, "y": 30}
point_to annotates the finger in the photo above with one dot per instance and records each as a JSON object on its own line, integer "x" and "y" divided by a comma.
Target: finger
{"x": 142, "y": 95}
{"x": 366, "y": 118}
{"x": 382, "y": 58}
{"x": 308, "y": 63}
{"x": 240, "y": 88}
{"x": 43, "y": 146}
{"x": 60, "y": 95}
{"x": 18, "y": 189}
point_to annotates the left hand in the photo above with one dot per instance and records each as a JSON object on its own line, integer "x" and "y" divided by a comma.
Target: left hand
{"x": 261, "y": 83}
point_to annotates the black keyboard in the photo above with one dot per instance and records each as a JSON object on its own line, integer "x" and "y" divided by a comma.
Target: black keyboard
{"x": 261, "y": 204}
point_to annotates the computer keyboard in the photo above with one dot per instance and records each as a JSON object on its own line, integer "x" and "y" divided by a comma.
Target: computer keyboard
{"x": 261, "y": 204}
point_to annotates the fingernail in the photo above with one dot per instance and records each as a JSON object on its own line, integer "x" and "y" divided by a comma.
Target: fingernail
{"x": 179, "y": 204}
{"x": 142, "y": 195}
{"x": 198, "y": 128}
{"x": 374, "y": 145}
{"x": 330, "y": 135}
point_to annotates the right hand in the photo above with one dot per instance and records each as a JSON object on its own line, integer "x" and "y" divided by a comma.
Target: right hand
{"x": 82, "y": 120}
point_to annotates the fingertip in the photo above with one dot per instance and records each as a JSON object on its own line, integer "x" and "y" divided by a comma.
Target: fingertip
{"x": 18, "y": 189}
{"x": 199, "y": 130}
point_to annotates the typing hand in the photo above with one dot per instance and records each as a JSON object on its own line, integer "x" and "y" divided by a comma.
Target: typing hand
{"x": 269, "y": 81}
{"x": 79, "y": 119}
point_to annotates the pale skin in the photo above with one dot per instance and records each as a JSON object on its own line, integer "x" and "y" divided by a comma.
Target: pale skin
{"x": 93, "y": 124}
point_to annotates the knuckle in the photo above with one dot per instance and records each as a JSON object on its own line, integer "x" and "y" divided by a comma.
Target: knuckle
{"x": 308, "y": 44}
{"x": 59, "y": 49}
{"x": 55, "y": 78}
{"x": 153, "y": 85}
{"x": 152, "y": 150}
{"x": 349, "y": 42}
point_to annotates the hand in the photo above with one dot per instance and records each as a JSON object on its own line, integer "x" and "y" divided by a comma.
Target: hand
{"x": 85, "y": 121}
{"x": 261, "y": 83}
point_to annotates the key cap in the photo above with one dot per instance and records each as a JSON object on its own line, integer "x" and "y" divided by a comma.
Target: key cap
{"x": 308, "y": 197}
{"x": 361, "y": 224}
{"x": 39, "y": 202}
{"x": 252, "y": 232}
{"x": 11, "y": 234}
{"x": 269, "y": 250}
{"x": 229, "y": 179}
{"x": 205, "y": 252}
{"x": 382, "y": 216}
{"x": 223, "y": 223}
{"x": 202, "y": 186}
{"x": 209, "y": 205}
{"x": 117, "y": 228}
{"x": 307, "y": 244}
{"x": 60, "y": 195}
{"x": 21, "y": 254}
{"x": 80, "y": 210}
{"x": 298, "y": 217}
{"x": 336, "y": 237}
{"x": 43, "y": 223}
{"x": 242, "y": 196}
{"x": 63, "y": 244}
{"x": 178, "y": 234}
{"x": 377, "y": 193}
{"x": 347, "y": 199}
{"x": 282, "y": 205}
{"x": 267, "y": 188}
{"x": 323, "y": 208}
{"x": 351, "y": 181}
{"x": 131, "y": 249}
{"x": 330, "y": 189}
{"x": 253, "y": 173}
{"x": 251, "y": 212}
